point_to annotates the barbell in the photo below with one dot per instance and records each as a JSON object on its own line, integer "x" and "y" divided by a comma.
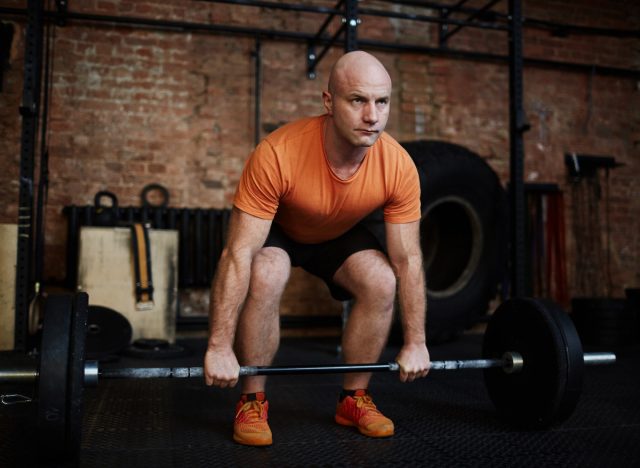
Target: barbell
{"x": 532, "y": 360}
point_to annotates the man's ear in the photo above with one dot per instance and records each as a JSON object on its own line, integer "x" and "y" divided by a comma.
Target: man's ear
{"x": 328, "y": 102}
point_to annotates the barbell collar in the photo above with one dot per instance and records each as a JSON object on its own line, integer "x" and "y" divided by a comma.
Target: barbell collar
{"x": 91, "y": 373}
{"x": 597, "y": 359}
{"x": 513, "y": 362}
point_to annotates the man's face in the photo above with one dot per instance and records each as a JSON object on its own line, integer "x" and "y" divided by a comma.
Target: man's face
{"x": 359, "y": 106}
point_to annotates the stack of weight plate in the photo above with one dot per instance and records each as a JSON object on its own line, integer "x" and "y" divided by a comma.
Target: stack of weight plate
{"x": 607, "y": 321}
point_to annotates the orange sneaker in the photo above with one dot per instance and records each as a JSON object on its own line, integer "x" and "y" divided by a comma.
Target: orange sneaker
{"x": 360, "y": 411}
{"x": 250, "y": 426}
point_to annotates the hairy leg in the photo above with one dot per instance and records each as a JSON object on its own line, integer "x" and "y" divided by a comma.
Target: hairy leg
{"x": 258, "y": 334}
{"x": 370, "y": 279}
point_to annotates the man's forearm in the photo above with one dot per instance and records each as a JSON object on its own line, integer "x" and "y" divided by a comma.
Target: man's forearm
{"x": 228, "y": 292}
{"x": 412, "y": 300}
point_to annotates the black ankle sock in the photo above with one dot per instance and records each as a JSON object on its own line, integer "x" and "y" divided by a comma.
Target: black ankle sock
{"x": 261, "y": 396}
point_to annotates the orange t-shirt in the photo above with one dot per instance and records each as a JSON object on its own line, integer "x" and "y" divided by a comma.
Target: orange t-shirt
{"x": 288, "y": 179}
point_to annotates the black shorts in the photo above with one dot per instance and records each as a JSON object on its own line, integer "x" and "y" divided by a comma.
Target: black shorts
{"x": 324, "y": 259}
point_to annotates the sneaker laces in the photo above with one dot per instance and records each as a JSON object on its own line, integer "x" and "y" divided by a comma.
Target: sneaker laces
{"x": 251, "y": 412}
{"x": 365, "y": 404}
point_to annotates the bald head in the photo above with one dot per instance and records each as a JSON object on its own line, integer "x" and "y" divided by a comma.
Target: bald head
{"x": 356, "y": 67}
{"x": 357, "y": 103}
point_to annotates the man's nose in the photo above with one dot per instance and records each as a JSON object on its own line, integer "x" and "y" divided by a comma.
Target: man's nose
{"x": 370, "y": 113}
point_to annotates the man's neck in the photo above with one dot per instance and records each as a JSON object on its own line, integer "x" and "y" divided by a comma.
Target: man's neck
{"x": 344, "y": 159}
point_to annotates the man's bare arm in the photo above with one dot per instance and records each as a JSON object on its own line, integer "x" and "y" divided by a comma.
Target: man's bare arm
{"x": 245, "y": 237}
{"x": 405, "y": 255}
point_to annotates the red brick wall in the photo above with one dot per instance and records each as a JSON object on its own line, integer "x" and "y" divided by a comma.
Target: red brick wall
{"x": 134, "y": 106}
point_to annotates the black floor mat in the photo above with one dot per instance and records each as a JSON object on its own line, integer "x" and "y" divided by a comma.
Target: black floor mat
{"x": 444, "y": 420}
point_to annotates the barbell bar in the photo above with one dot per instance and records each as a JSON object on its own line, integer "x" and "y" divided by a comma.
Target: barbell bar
{"x": 532, "y": 360}
{"x": 194, "y": 372}
{"x": 510, "y": 363}
{"x": 187, "y": 372}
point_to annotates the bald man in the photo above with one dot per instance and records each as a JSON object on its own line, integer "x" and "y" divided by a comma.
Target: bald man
{"x": 300, "y": 201}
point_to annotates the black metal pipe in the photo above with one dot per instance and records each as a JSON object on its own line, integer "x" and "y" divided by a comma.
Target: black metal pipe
{"x": 199, "y": 254}
{"x": 172, "y": 214}
{"x": 457, "y": 8}
{"x": 312, "y": 58}
{"x": 496, "y": 58}
{"x": 351, "y": 21}
{"x": 553, "y": 26}
{"x": 30, "y": 110}
{"x": 527, "y": 22}
{"x": 454, "y": 8}
{"x": 73, "y": 228}
{"x": 128, "y": 215}
{"x": 278, "y": 6}
{"x": 574, "y": 29}
{"x": 185, "y": 275}
{"x": 312, "y": 63}
{"x": 363, "y": 43}
{"x": 517, "y": 127}
{"x": 364, "y": 11}
{"x": 473, "y": 16}
{"x": 432, "y": 19}
{"x": 327, "y": 21}
{"x": 43, "y": 181}
{"x": 212, "y": 248}
{"x": 158, "y": 217}
{"x": 257, "y": 92}
{"x": 144, "y": 215}
{"x": 174, "y": 25}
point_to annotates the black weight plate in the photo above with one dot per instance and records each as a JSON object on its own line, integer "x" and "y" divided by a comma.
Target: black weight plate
{"x": 108, "y": 333}
{"x": 575, "y": 361}
{"x": 155, "y": 349}
{"x": 76, "y": 374}
{"x": 547, "y": 389}
{"x": 152, "y": 344}
{"x": 53, "y": 377}
{"x": 161, "y": 193}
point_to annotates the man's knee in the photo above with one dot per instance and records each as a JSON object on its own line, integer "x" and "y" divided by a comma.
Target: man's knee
{"x": 370, "y": 277}
{"x": 382, "y": 284}
{"x": 270, "y": 271}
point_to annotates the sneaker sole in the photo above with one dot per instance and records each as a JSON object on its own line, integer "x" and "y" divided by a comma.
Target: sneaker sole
{"x": 252, "y": 442}
{"x": 388, "y": 432}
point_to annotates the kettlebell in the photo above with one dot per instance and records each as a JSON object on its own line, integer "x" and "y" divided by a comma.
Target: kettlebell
{"x": 105, "y": 215}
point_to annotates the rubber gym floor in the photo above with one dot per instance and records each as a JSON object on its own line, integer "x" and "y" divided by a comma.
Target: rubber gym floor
{"x": 444, "y": 420}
